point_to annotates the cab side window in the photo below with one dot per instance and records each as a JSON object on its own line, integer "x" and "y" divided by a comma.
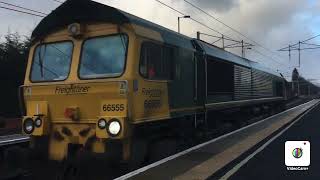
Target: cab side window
{"x": 156, "y": 61}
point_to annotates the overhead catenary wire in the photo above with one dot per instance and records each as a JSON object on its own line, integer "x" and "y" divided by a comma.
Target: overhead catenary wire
{"x": 24, "y": 8}
{"x": 293, "y": 46}
{"x": 20, "y": 11}
{"x": 298, "y": 47}
{"x": 41, "y": 14}
{"x": 233, "y": 29}
{"x": 58, "y": 1}
{"x": 225, "y": 38}
{"x": 183, "y": 14}
{"x": 266, "y": 56}
{"x": 310, "y": 38}
{"x": 310, "y": 44}
{"x": 214, "y": 30}
{"x": 218, "y": 20}
{"x": 33, "y": 13}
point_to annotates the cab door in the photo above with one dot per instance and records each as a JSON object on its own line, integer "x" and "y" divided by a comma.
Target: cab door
{"x": 200, "y": 79}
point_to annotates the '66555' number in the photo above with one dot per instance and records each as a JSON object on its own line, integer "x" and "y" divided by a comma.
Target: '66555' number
{"x": 113, "y": 107}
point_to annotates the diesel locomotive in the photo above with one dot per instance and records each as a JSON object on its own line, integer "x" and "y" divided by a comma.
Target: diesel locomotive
{"x": 102, "y": 80}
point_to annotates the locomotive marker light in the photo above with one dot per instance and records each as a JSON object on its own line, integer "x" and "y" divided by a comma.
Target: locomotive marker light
{"x": 28, "y": 126}
{"x": 114, "y": 127}
{"x": 75, "y": 30}
{"x": 102, "y": 123}
{"x": 38, "y": 122}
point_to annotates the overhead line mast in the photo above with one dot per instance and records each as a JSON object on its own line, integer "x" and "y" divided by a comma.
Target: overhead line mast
{"x": 297, "y": 47}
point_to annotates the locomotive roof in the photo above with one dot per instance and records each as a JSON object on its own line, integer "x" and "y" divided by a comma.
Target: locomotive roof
{"x": 83, "y": 11}
{"x": 233, "y": 58}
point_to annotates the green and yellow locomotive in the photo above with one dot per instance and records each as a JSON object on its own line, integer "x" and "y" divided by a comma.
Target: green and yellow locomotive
{"x": 106, "y": 81}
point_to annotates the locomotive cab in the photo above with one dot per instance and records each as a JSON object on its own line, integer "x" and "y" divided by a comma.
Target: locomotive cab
{"x": 76, "y": 88}
{"x": 83, "y": 78}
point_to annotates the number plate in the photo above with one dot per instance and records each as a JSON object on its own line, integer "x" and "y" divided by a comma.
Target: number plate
{"x": 116, "y": 107}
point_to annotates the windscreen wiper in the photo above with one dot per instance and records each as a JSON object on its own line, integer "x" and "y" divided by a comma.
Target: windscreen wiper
{"x": 41, "y": 59}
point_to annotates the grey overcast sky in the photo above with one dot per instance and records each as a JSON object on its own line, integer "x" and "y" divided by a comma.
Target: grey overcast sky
{"x": 272, "y": 23}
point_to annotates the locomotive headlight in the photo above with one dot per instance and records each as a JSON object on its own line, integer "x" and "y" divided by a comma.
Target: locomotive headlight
{"x": 102, "y": 123}
{"x": 114, "y": 127}
{"x": 28, "y": 126}
{"x": 38, "y": 122}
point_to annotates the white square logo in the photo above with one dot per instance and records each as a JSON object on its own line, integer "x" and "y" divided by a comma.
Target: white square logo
{"x": 297, "y": 153}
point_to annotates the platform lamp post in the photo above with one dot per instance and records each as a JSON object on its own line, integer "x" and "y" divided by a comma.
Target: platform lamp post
{"x": 186, "y": 16}
{"x": 244, "y": 52}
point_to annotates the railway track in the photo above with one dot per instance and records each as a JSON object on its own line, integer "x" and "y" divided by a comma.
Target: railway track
{"x": 122, "y": 173}
{"x": 7, "y": 143}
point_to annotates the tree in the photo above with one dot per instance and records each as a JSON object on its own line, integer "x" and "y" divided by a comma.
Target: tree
{"x": 13, "y": 60}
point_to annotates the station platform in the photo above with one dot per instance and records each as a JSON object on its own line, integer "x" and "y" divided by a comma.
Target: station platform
{"x": 270, "y": 162}
{"x": 247, "y": 153}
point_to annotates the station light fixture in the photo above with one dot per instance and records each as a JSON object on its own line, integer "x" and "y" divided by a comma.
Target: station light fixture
{"x": 185, "y": 16}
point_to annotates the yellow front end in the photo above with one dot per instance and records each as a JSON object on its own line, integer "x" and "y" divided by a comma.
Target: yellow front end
{"x": 73, "y": 111}
{"x": 74, "y": 118}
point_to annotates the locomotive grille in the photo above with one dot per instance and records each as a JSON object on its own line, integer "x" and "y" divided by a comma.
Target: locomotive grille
{"x": 251, "y": 84}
